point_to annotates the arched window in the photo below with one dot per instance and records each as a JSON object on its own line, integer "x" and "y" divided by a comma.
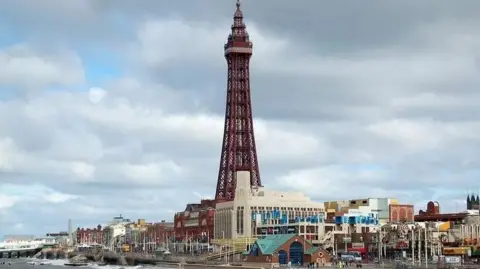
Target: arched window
{"x": 296, "y": 253}
{"x": 403, "y": 214}
{"x": 282, "y": 257}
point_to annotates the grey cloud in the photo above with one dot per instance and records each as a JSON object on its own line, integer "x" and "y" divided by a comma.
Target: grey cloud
{"x": 325, "y": 27}
{"x": 355, "y": 84}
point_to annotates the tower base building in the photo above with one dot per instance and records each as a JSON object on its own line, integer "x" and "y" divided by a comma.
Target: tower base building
{"x": 253, "y": 207}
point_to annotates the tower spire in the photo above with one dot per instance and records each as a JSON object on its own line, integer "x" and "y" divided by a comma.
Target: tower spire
{"x": 238, "y": 12}
{"x": 239, "y": 151}
{"x": 239, "y": 32}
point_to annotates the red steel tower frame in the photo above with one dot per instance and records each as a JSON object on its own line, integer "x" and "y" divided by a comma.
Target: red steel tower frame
{"x": 239, "y": 152}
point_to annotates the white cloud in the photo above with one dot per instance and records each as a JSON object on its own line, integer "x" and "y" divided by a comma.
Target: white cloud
{"x": 96, "y": 94}
{"x": 56, "y": 197}
{"x": 163, "y": 41}
{"x": 75, "y": 150}
{"x": 426, "y": 134}
{"x": 151, "y": 173}
{"x": 6, "y": 201}
{"x": 9, "y": 154}
{"x": 430, "y": 99}
{"x": 327, "y": 182}
{"x": 83, "y": 170}
{"x": 280, "y": 142}
{"x": 22, "y": 65}
{"x": 12, "y": 194}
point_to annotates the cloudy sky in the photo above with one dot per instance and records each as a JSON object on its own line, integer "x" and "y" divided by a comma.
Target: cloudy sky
{"x": 116, "y": 107}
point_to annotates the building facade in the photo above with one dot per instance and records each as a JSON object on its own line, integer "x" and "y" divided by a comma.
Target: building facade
{"x": 240, "y": 217}
{"x": 114, "y": 233}
{"x": 160, "y": 232}
{"x": 285, "y": 249}
{"x": 134, "y": 232}
{"x": 432, "y": 213}
{"x": 473, "y": 202}
{"x": 401, "y": 213}
{"x": 90, "y": 236}
{"x": 195, "y": 223}
{"x": 366, "y": 206}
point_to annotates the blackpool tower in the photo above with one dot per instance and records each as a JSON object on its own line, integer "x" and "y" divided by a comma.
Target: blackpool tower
{"x": 239, "y": 152}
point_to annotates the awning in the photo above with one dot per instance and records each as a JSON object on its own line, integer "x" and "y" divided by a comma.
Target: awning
{"x": 361, "y": 250}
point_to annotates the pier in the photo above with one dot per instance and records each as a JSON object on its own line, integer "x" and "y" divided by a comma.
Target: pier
{"x": 19, "y": 252}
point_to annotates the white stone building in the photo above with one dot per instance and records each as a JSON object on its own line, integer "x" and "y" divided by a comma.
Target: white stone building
{"x": 234, "y": 219}
{"x": 115, "y": 231}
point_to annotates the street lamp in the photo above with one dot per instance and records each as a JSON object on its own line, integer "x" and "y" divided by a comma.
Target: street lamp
{"x": 226, "y": 251}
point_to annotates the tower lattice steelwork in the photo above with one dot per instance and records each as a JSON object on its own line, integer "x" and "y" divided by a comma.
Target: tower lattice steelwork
{"x": 239, "y": 152}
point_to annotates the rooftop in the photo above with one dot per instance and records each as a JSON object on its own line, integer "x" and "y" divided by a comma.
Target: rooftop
{"x": 270, "y": 243}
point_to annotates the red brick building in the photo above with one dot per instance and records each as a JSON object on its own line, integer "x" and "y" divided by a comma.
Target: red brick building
{"x": 400, "y": 213}
{"x": 433, "y": 208}
{"x": 159, "y": 232}
{"x": 90, "y": 236}
{"x": 285, "y": 248}
{"x": 195, "y": 222}
{"x": 433, "y": 214}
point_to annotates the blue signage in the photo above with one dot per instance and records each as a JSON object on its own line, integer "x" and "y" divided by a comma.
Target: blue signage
{"x": 283, "y": 218}
{"x": 369, "y": 220}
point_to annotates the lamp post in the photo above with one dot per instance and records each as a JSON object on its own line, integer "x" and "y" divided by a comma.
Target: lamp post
{"x": 225, "y": 252}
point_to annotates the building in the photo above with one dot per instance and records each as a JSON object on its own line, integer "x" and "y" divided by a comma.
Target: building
{"x": 355, "y": 231}
{"x": 61, "y": 238}
{"x": 114, "y": 233}
{"x": 378, "y": 206}
{"x": 121, "y": 220}
{"x": 433, "y": 208}
{"x": 90, "y": 235}
{"x": 160, "y": 232}
{"x": 25, "y": 242}
{"x": 473, "y": 203}
{"x": 400, "y": 213}
{"x": 143, "y": 236}
{"x": 311, "y": 228}
{"x": 286, "y": 248}
{"x": 455, "y": 229}
{"x": 252, "y": 207}
{"x": 195, "y": 223}
{"x": 134, "y": 232}
{"x": 433, "y": 213}
{"x": 57, "y": 234}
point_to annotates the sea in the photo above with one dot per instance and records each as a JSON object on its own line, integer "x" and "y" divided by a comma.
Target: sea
{"x": 57, "y": 264}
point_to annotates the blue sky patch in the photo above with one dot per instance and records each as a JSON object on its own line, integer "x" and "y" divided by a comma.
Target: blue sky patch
{"x": 101, "y": 65}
